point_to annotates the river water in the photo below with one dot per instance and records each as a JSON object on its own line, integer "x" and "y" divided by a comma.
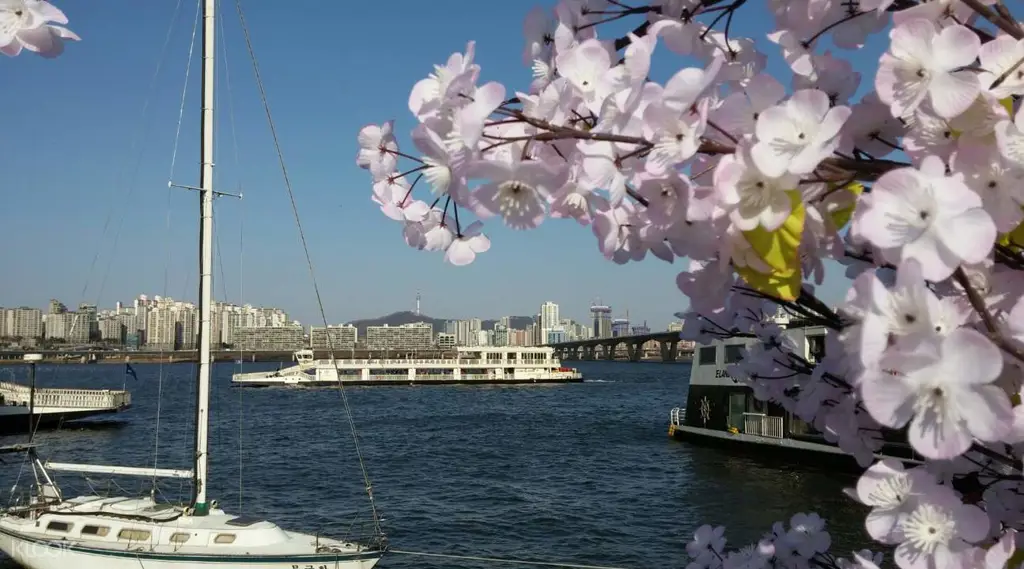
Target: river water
{"x": 582, "y": 473}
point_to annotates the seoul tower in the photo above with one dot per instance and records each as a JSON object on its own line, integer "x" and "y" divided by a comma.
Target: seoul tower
{"x": 417, "y": 303}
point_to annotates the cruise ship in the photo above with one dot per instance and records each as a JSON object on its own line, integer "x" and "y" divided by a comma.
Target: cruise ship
{"x": 477, "y": 365}
{"x": 722, "y": 411}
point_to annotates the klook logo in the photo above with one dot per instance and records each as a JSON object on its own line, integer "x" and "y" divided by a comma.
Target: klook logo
{"x": 36, "y": 549}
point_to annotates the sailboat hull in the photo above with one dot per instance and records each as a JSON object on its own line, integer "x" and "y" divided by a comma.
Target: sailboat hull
{"x": 39, "y": 554}
{"x": 111, "y": 533}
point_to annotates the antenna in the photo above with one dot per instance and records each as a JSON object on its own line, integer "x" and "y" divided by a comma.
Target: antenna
{"x": 417, "y": 303}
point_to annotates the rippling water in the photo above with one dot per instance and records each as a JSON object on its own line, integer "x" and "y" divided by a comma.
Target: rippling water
{"x": 583, "y": 472}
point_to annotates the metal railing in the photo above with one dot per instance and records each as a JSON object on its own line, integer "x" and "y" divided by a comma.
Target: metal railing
{"x": 762, "y": 425}
{"x": 677, "y": 416}
{"x": 14, "y": 394}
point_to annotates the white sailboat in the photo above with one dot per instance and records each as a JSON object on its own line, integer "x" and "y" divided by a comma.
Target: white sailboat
{"x": 52, "y": 531}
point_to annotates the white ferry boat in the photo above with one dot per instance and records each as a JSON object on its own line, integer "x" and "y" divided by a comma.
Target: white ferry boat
{"x": 722, "y": 411}
{"x": 478, "y": 365}
{"x": 53, "y": 407}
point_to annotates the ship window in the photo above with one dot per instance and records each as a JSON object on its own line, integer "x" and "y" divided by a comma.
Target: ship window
{"x": 133, "y": 535}
{"x": 224, "y": 538}
{"x": 99, "y": 531}
{"x": 816, "y": 348}
{"x": 706, "y": 356}
{"x": 734, "y": 353}
{"x": 58, "y": 526}
{"x": 180, "y": 537}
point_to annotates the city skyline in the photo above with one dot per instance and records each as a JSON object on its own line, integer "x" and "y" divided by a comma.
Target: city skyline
{"x": 418, "y": 300}
{"x": 163, "y": 323}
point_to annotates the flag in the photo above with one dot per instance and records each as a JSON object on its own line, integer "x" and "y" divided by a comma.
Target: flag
{"x": 129, "y": 370}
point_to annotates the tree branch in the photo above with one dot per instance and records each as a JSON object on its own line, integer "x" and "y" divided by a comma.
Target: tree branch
{"x": 978, "y": 303}
{"x": 1005, "y": 24}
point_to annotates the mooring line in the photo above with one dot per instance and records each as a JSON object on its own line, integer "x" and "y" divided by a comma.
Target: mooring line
{"x": 501, "y": 560}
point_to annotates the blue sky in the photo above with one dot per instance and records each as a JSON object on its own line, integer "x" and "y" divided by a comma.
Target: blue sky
{"x": 86, "y": 170}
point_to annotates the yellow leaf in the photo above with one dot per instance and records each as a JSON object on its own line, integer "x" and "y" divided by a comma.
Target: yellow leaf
{"x": 779, "y": 250}
{"x": 1014, "y": 238}
{"x": 841, "y": 216}
{"x": 784, "y": 288}
{"x": 1007, "y": 104}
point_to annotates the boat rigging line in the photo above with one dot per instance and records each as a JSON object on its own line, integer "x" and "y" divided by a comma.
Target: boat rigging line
{"x": 312, "y": 273}
{"x": 504, "y": 560}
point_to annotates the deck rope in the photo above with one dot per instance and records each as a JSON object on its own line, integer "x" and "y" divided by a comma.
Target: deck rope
{"x": 500, "y": 560}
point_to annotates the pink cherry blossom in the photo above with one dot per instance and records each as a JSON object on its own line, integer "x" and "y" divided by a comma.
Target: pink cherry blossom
{"x": 25, "y": 24}
{"x": 464, "y": 248}
{"x": 939, "y": 530}
{"x": 923, "y": 62}
{"x": 912, "y": 191}
{"x": 798, "y": 134}
{"x": 998, "y": 57}
{"x": 751, "y": 196}
{"x": 943, "y": 389}
{"x": 377, "y": 147}
{"x": 518, "y": 191}
{"x": 929, "y": 216}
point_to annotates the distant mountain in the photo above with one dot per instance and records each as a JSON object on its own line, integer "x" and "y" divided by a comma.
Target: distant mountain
{"x": 408, "y": 317}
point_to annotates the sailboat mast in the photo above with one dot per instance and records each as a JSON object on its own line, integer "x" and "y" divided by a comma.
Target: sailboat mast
{"x": 200, "y": 501}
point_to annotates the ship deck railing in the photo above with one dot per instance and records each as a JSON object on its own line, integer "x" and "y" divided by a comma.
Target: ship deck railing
{"x": 466, "y": 362}
{"x": 677, "y": 416}
{"x": 763, "y": 425}
{"x": 15, "y": 394}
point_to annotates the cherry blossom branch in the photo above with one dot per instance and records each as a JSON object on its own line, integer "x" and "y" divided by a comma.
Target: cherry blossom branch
{"x": 727, "y": 12}
{"x": 382, "y": 148}
{"x": 704, "y": 7}
{"x": 1009, "y": 257}
{"x": 458, "y": 226}
{"x": 1006, "y": 74}
{"x": 1003, "y": 23}
{"x": 867, "y": 170}
{"x": 809, "y": 42}
{"x": 1001, "y": 458}
{"x": 618, "y": 15}
{"x": 978, "y": 303}
{"x": 411, "y": 187}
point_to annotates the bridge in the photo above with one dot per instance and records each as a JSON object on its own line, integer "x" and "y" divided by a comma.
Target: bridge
{"x": 667, "y": 345}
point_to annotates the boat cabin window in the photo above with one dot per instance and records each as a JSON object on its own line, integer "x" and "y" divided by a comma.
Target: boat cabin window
{"x": 180, "y": 537}
{"x": 706, "y": 355}
{"x": 224, "y": 538}
{"x": 58, "y": 526}
{"x": 99, "y": 531}
{"x": 816, "y": 348}
{"x": 734, "y": 353}
{"x": 133, "y": 535}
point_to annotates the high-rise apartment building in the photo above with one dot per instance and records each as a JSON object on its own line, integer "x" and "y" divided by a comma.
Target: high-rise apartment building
{"x": 341, "y": 337}
{"x": 602, "y": 315}
{"x": 270, "y": 338}
{"x": 22, "y": 322}
{"x": 415, "y": 336}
